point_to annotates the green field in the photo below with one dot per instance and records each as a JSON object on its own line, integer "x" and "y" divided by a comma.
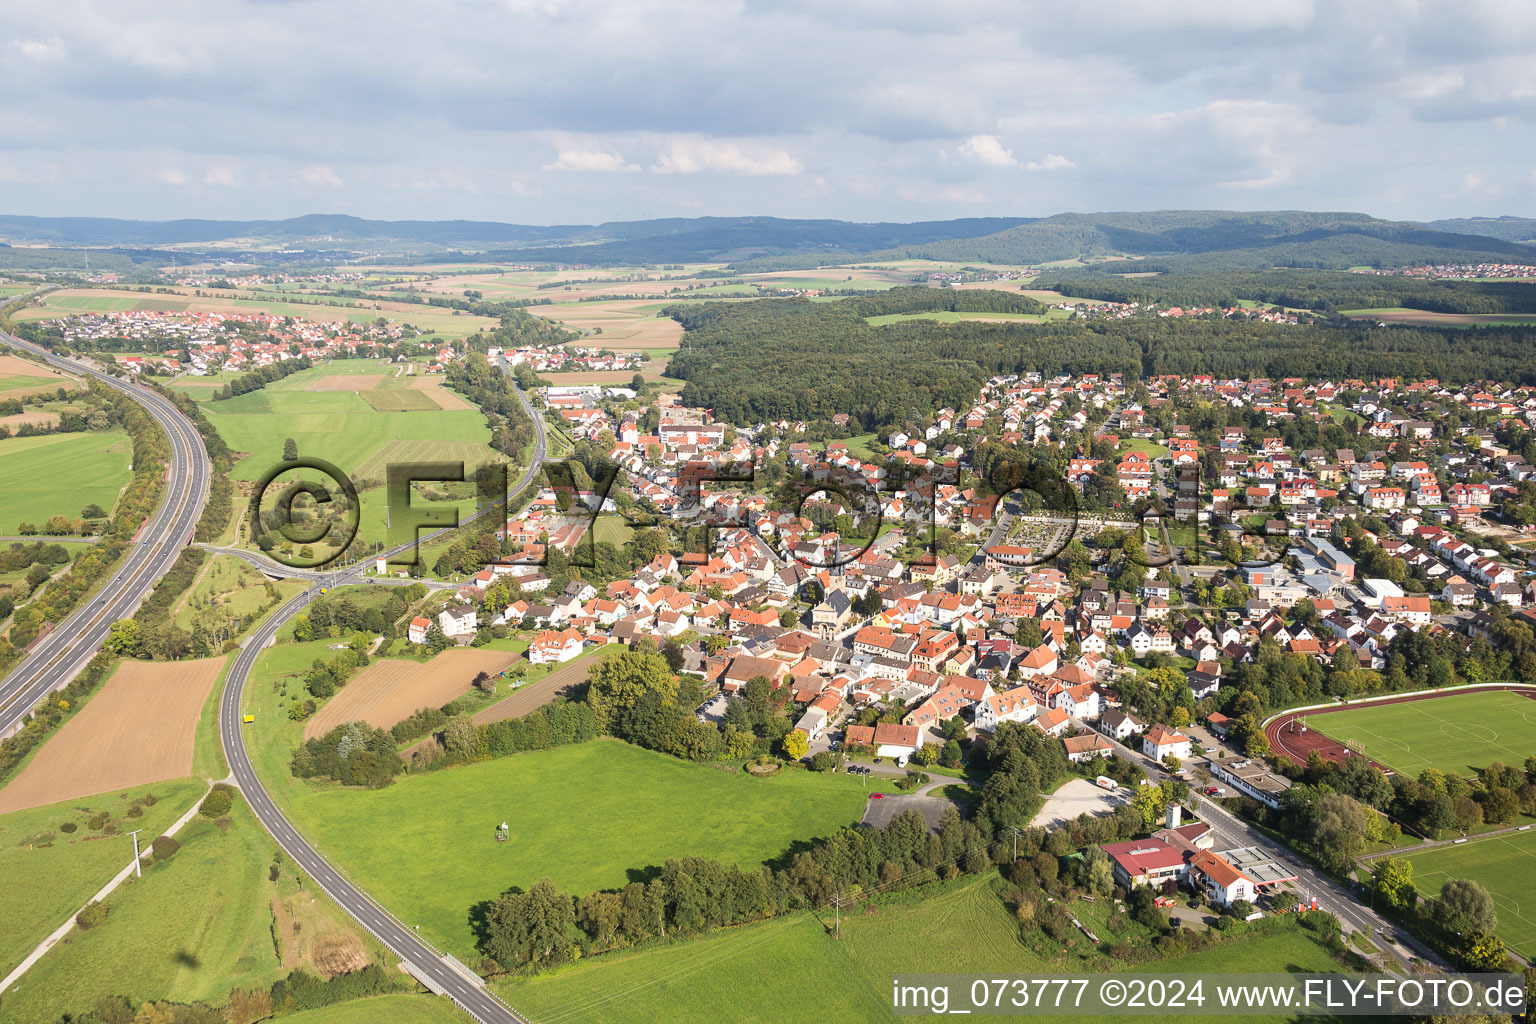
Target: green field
{"x": 192, "y": 928}
{"x": 951, "y": 317}
{"x": 962, "y": 927}
{"x": 23, "y": 382}
{"x": 1505, "y": 866}
{"x": 232, "y": 585}
{"x": 399, "y": 400}
{"x": 60, "y": 474}
{"x": 1151, "y": 449}
{"x": 583, "y": 815}
{"x": 70, "y": 867}
{"x": 341, "y": 428}
{"x": 1456, "y": 733}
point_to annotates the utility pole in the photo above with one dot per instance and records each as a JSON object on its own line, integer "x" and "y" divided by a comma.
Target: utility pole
{"x": 1015, "y": 830}
{"x": 837, "y": 917}
{"x": 138, "y": 872}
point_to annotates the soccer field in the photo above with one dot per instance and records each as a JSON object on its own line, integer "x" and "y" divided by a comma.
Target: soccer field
{"x": 1505, "y": 866}
{"x": 1456, "y": 733}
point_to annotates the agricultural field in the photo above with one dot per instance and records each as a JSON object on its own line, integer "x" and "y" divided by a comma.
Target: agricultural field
{"x": 1505, "y": 866}
{"x": 137, "y": 729}
{"x": 1424, "y": 318}
{"x": 957, "y": 927}
{"x": 391, "y": 689}
{"x": 60, "y": 474}
{"x": 21, "y": 377}
{"x": 341, "y": 428}
{"x": 197, "y": 925}
{"x": 1455, "y": 734}
{"x": 77, "y": 863}
{"x": 945, "y": 316}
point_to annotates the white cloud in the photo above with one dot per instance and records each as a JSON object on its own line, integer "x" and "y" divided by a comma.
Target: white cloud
{"x": 581, "y": 159}
{"x": 987, "y": 149}
{"x": 1051, "y": 162}
{"x": 222, "y": 174}
{"x": 41, "y": 51}
{"x": 700, "y": 156}
{"x": 319, "y": 175}
{"x": 1278, "y": 176}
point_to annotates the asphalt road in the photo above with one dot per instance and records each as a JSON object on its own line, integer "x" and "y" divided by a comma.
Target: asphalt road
{"x": 427, "y": 964}
{"x": 1233, "y": 832}
{"x": 73, "y": 642}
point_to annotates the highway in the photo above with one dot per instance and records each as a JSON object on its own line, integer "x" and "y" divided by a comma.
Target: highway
{"x": 73, "y": 642}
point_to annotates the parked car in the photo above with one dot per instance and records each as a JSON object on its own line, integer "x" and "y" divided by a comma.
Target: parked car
{"x": 877, "y": 796}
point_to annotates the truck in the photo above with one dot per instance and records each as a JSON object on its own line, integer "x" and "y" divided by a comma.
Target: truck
{"x": 1105, "y": 782}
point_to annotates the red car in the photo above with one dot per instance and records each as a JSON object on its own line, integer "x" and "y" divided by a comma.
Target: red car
{"x": 877, "y": 796}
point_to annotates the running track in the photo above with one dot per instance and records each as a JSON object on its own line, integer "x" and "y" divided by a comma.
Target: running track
{"x": 1297, "y": 745}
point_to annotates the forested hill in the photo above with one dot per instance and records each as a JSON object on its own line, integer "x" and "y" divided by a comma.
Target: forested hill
{"x": 650, "y": 241}
{"x": 1164, "y": 240}
{"x": 1220, "y": 240}
{"x": 795, "y": 359}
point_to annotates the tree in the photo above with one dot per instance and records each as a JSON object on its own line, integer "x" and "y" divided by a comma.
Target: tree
{"x": 795, "y": 744}
{"x": 93, "y": 511}
{"x": 616, "y": 685}
{"x": 460, "y": 738}
{"x": 1394, "y": 881}
{"x": 1500, "y": 805}
{"x": 484, "y": 683}
{"x": 123, "y": 638}
{"x": 290, "y": 450}
{"x": 1464, "y": 907}
{"x": 531, "y": 929}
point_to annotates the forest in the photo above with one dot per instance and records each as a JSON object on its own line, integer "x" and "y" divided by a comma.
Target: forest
{"x": 1297, "y": 289}
{"x": 794, "y": 359}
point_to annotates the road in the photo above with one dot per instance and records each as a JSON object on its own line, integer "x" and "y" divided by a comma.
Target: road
{"x": 426, "y": 963}
{"x": 1233, "y": 832}
{"x": 77, "y": 639}
{"x": 55, "y": 660}
{"x": 438, "y": 973}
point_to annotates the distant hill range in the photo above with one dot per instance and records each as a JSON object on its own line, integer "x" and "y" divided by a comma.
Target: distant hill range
{"x": 1161, "y": 240}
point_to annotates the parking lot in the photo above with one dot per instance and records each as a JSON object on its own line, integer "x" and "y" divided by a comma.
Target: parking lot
{"x": 1080, "y": 796}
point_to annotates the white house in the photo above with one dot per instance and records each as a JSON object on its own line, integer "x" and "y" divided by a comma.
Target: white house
{"x": 1221, "y": 880}
{"x": 457, "y": 619}
{"x": 551, "y": 647}
{"x": 1015, "y": 705}
{"x": 416, "y": 633}
{"x": 1161, "y": 741}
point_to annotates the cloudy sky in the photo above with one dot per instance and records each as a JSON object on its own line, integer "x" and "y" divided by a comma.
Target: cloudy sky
{"x": 548, "y": 111}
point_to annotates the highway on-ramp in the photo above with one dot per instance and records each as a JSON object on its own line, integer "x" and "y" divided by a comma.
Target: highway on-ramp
{"x": 65, "y": 650}
{"x": 430, "y": 967}
{"x": 425, "y": 963}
